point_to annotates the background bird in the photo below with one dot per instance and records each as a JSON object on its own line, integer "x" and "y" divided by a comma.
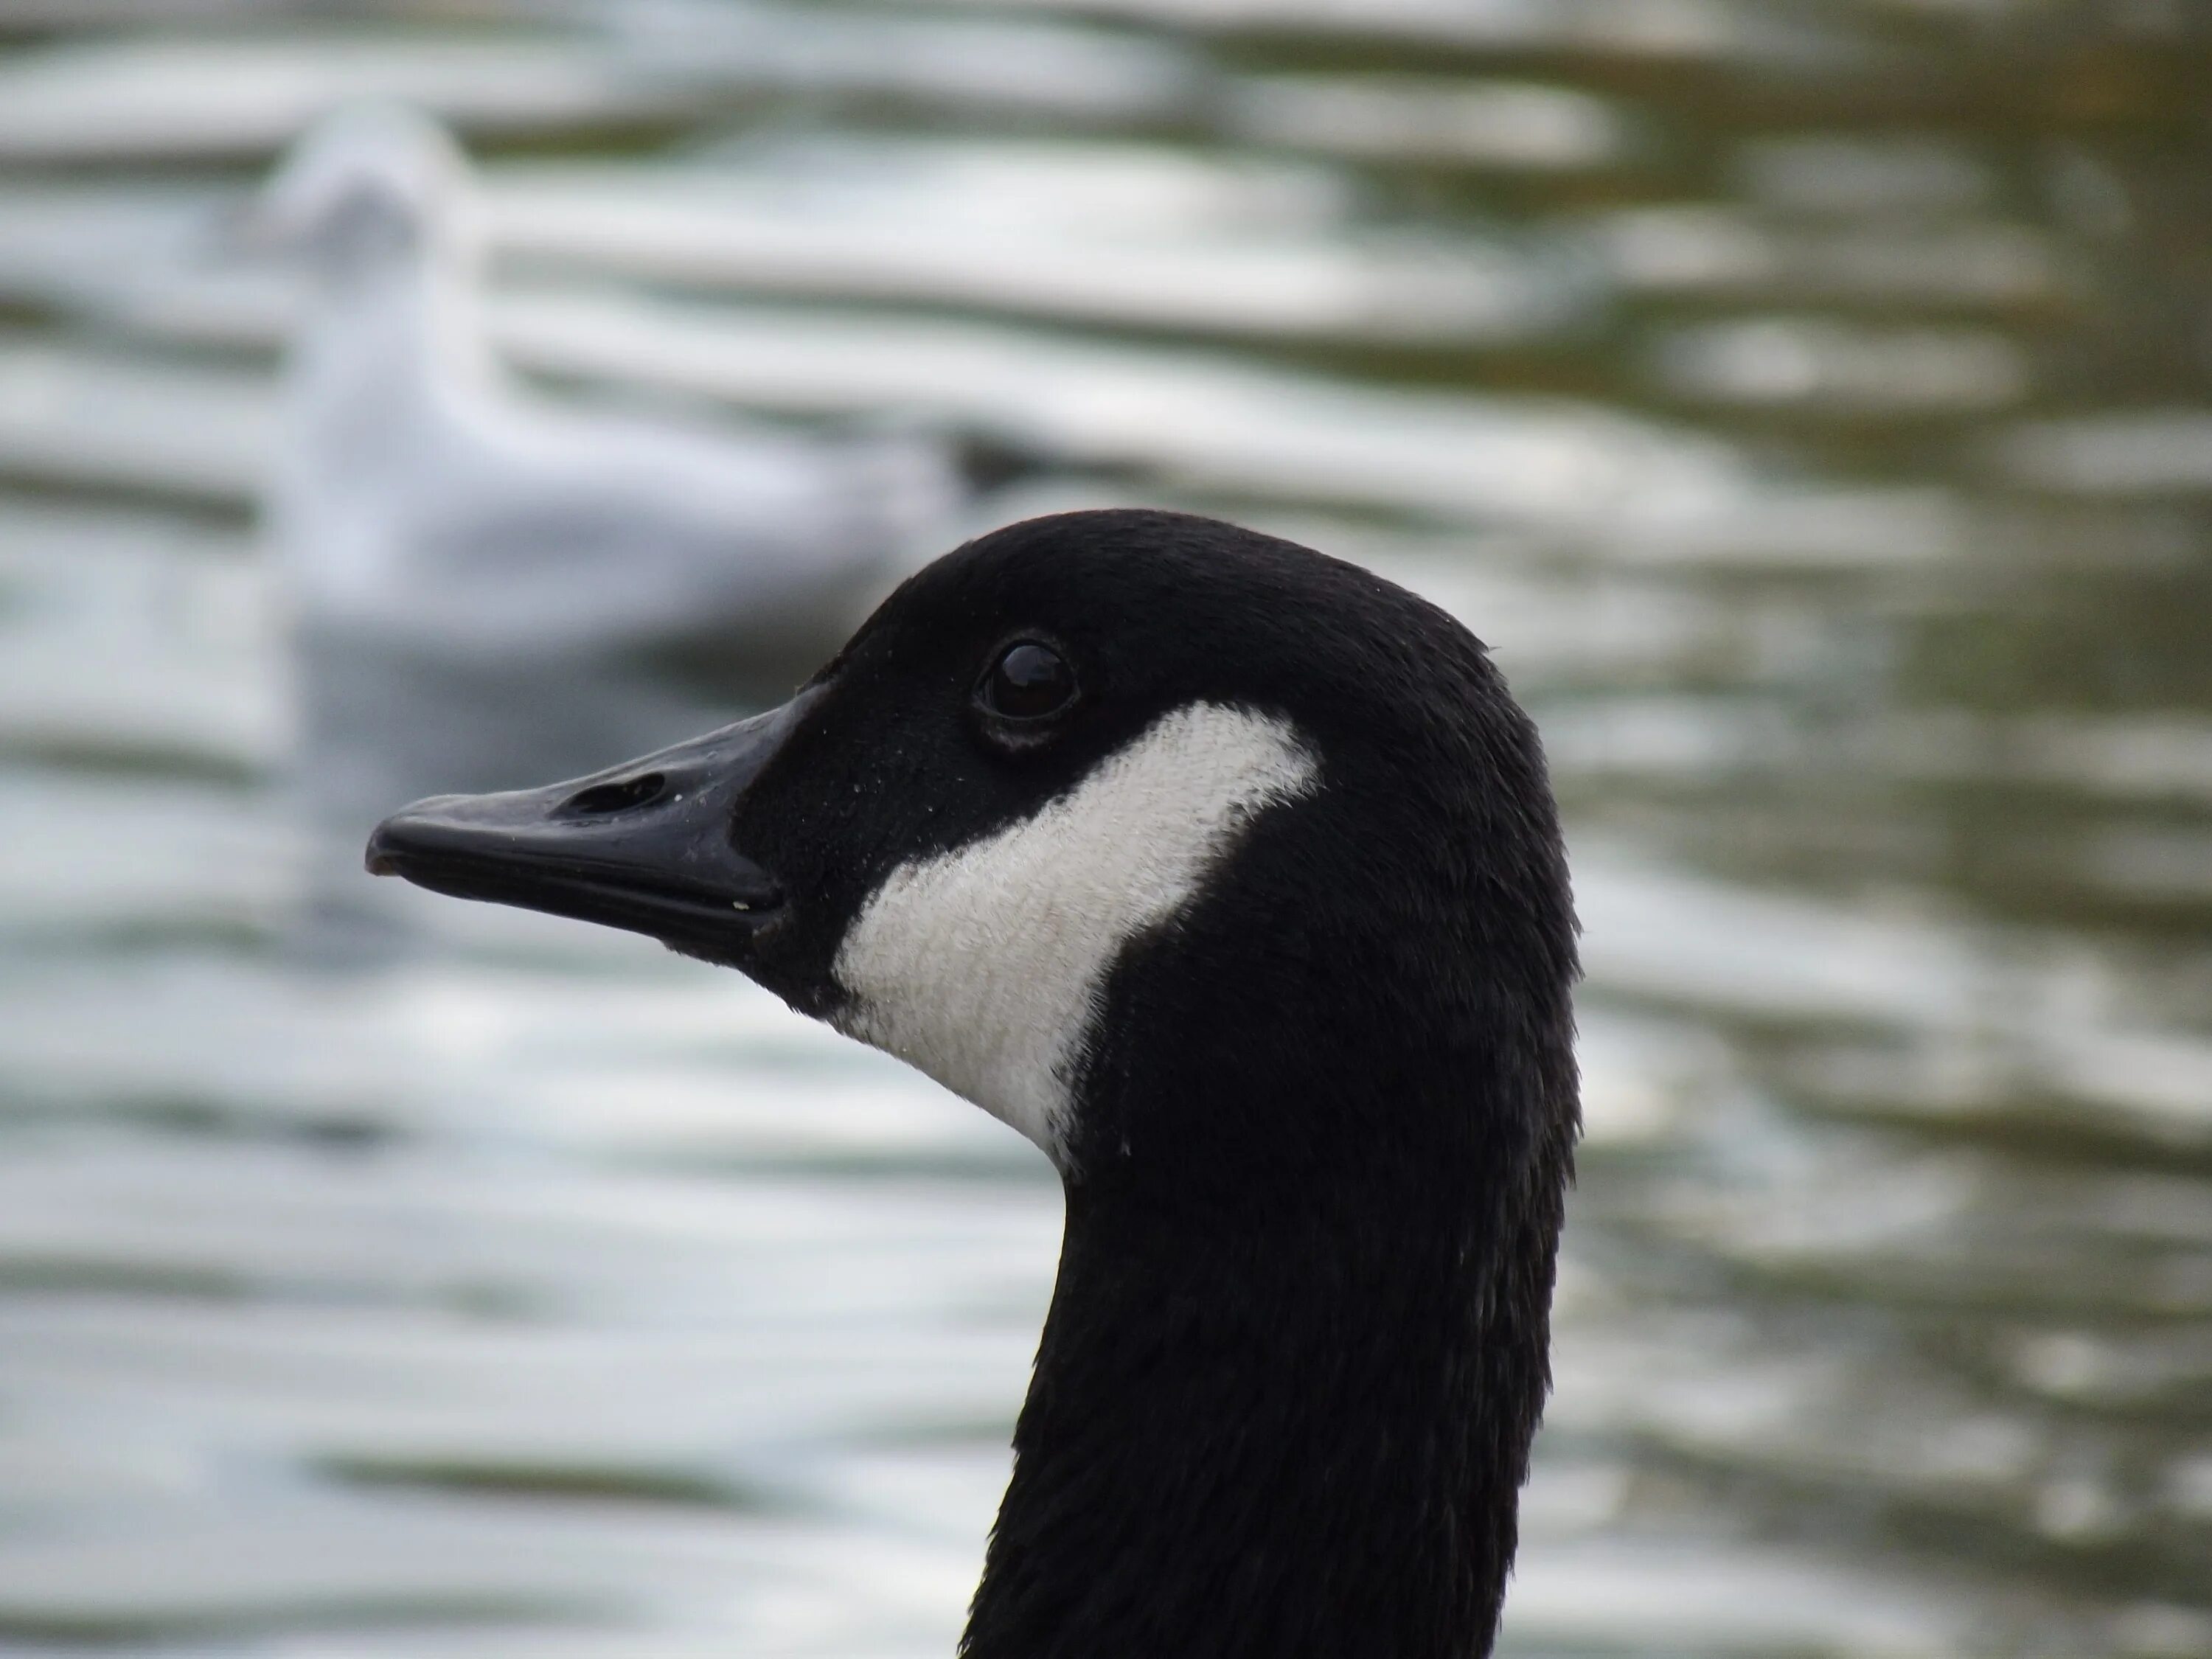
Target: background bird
{"x": 484, "y": 582}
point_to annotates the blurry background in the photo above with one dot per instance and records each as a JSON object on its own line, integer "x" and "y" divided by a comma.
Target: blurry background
{"x": 1812, "y": 403}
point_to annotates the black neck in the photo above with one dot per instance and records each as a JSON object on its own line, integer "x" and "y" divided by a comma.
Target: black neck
{"x": 1297, "y": 1437}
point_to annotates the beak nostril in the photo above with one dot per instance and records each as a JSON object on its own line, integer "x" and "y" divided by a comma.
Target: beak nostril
{"x": 603, "y": 798}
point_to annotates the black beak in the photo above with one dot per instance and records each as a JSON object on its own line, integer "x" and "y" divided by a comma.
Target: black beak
{"x": 644, "y": 845}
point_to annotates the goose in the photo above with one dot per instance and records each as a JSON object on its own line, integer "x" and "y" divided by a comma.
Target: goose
{"x": 1229, "y": 874}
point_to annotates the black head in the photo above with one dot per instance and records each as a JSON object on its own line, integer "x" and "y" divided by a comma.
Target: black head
{"x": 1220, "y": 782}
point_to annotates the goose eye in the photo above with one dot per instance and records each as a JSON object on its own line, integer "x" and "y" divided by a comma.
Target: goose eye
{"x": 1029, "y": 682}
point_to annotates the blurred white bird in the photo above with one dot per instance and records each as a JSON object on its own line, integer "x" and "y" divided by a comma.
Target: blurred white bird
{"x": 421, "y": 495}
{"x": 480, "y": 579}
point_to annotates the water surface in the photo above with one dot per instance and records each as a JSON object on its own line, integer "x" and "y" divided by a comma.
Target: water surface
{"x": 1813, "y": 405}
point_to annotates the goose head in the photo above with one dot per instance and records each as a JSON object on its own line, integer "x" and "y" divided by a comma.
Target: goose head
{"x": 1227, "y": 874}
{"x": 369, "y": 188}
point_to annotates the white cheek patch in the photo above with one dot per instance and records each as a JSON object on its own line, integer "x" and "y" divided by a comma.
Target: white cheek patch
{"x": 983, "y": 966}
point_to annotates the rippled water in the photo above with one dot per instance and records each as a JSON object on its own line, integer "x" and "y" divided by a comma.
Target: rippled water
{"x": 1812, "y": 403}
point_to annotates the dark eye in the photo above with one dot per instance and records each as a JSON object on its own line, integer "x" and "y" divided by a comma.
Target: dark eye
{"x": 1029, "y": 682}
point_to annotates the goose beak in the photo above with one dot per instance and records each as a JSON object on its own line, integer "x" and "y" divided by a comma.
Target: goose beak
{"x": 644, "y": 845}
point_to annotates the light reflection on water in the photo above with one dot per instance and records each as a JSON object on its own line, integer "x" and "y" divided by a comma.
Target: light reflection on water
{"x": 1809, "y": 403}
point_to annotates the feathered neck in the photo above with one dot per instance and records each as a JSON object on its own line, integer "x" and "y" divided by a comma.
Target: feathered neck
{"x": 1303, "y": 1437}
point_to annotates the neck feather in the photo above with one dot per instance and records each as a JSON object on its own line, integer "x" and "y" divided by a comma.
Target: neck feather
{"x": 1304, "y": 1438}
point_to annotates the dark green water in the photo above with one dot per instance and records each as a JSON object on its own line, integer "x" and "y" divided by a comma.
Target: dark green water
{"x": 1813, "y": 405}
